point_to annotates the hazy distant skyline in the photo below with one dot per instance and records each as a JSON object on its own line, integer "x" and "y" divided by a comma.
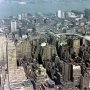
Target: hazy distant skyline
{"x": 14, "y": 7}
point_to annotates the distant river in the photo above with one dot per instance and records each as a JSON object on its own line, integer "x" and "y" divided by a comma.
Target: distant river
{"x": 9, "y": 8}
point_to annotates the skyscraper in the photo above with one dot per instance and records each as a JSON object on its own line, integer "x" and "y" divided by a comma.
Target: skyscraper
{"x": 13, "y": 26}
{"x": 19, "y": 17}
{"x": 61, "y": 14}
{"x": 87, "y": 14}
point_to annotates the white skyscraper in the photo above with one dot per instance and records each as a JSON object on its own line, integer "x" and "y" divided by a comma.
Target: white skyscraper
{"x": 61, "y": 14}
{"x": 19, "y": 17}
{"x": 13, "y": 26}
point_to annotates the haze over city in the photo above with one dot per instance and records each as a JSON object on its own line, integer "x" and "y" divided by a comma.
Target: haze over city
{"x": 44, "y": 44}
{"x": 14, "y": 7}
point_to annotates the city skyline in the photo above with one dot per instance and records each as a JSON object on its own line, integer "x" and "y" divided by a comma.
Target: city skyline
{"x": 44, "y": 45}
{"x": 15, "y": 7}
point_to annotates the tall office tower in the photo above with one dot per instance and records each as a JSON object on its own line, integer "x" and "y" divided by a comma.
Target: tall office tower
{"x": 76, "y": 45}
{"x": 3, "y": 58}
{"x": 24, "y": 15}
{"x": 13, "y": 26}
{"x": 60, "y": 14}
{"x": 41, "y": 76}
{"x": 87, "y": 14}
{"x": 85, "y": 82}
{"x": 76, "y": 74}
{"x": 48, "y": 52}
{"x": 22, "y": 49}
{"x": 66, "y": 71}
{"x": 19, "y": 17}
{"x": 2, "y": 47}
